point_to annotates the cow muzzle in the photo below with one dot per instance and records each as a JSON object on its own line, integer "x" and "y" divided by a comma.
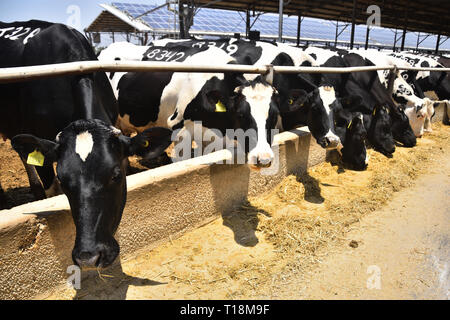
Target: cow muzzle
{"x": 100, "y": 255}
{"x": 258, "y": 161}
{"x": 87, "y": 260}
{"x": 330, "y": 142}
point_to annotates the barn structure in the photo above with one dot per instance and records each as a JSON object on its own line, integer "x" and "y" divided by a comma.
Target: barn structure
{"x": 398, "y": 25}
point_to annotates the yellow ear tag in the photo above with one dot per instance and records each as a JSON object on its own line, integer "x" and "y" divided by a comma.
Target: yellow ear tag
{"x": 36, "y": 158}
{"x": 348, "y": 127}
{"x": 291, "y": 101}
{"x": 374, "y": 111}
{"x": 145, "y": 144}
{"x": 220, "y": 107}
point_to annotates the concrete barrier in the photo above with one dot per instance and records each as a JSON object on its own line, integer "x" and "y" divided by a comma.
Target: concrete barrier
{"x": 36, "y": 239}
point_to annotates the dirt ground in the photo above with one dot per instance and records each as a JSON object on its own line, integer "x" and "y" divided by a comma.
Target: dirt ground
{"x": 330, "y": 233}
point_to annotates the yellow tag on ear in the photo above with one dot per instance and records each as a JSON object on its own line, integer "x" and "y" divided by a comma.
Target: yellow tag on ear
{"x": 36, "y": 158}
{"x": 348, "y": 127}
{"x": 220, "y": 107}
{"x": 374, "y": 110}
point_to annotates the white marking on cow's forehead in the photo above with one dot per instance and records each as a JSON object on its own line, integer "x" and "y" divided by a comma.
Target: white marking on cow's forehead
{"x": 259, "y": 98}
{"x": 328, "y": 96}
{"x": 84, "y": 144}
{"x": 258, "y": 92}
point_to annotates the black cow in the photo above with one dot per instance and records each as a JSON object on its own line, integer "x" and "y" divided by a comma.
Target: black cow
{"x": 374, "y": 95}
{"x": 44, "y": 107}
{"x": 91, "y": 158}
{"x": 79, "y": 111}
{"x": 354, "y": 151}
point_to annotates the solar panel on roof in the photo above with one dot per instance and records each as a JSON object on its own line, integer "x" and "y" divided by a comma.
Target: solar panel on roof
{"x": 224, "y": 21}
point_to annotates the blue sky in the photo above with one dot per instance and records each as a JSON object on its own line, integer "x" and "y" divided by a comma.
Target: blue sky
{"x": 62, "y": 11}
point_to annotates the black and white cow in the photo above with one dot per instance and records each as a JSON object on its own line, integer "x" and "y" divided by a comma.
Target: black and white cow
{"x": 179, "y": 100}
{"x": 44, "y": 107}
{"x": 91, "y": 158}
{"x": 374, "y": 95}
{"x": 354, "y": 151}
{"x": 405, "y": 88}
{"x": 318, "y": 101}
{"x": 433, "y": 81}
{"x": 302, "y": 102}
{"x": 363, "y": 92}
{"x": 262, "y": 53}
{"x": 68, "y": 120}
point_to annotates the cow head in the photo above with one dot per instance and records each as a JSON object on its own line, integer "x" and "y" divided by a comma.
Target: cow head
{"x": 380, "y": 135}
{"x": 316, "y": 109}
{"x": 416, "y": 118}
{"x": 255, "y": 106}
{"x": 401, "y": 128}
{"x": 91, "y": 159}
{"x": 354, "y": 152}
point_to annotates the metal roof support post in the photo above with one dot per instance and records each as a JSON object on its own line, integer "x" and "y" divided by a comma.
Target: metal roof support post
{"x": 247, "y": 23}
{"x": 395, "y": 41}
{"x": 299, "y": 25}
{"x": 438, "y": 43}
{"x": 404, "y": 30}
{"x": 367, "y": 37}
{"x": 403, "y": 40}
{"x": 280, "y": 21}
{"x": 336, "y": 36}
{"x": 418, "y": 41}
{"x": 352, "y": 38}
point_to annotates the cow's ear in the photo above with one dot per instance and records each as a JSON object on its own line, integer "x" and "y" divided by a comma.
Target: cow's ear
{"x": 214, "y": 102}
{"x": 148, "y": 144}
{"x": 34, "y": 150}
{"x": 212, "y": 98}
{"x": 296, "y": 100}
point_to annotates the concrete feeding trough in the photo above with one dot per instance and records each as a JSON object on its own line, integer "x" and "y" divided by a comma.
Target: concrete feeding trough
{"x": 36, "y": 239}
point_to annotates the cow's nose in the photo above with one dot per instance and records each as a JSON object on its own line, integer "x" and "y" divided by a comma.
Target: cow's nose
{"x": 87, "y": 259}
{"x": 332, "y": 143}
{"x": 264, "y": 160}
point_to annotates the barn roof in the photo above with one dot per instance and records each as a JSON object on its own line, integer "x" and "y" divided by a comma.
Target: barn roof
{"x": 429, "y": 16}
{"x": 212, "y": 20}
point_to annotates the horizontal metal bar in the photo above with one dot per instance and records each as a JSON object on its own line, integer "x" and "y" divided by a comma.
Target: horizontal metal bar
{"x": 17, "y": 74}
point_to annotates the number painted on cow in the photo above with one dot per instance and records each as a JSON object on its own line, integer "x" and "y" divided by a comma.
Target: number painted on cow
{"x": 18, "y": 32}
{"x": 165, "y": 55}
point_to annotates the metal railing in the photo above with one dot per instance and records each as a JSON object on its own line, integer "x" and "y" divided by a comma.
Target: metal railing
{"x": 17, "y": 74}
